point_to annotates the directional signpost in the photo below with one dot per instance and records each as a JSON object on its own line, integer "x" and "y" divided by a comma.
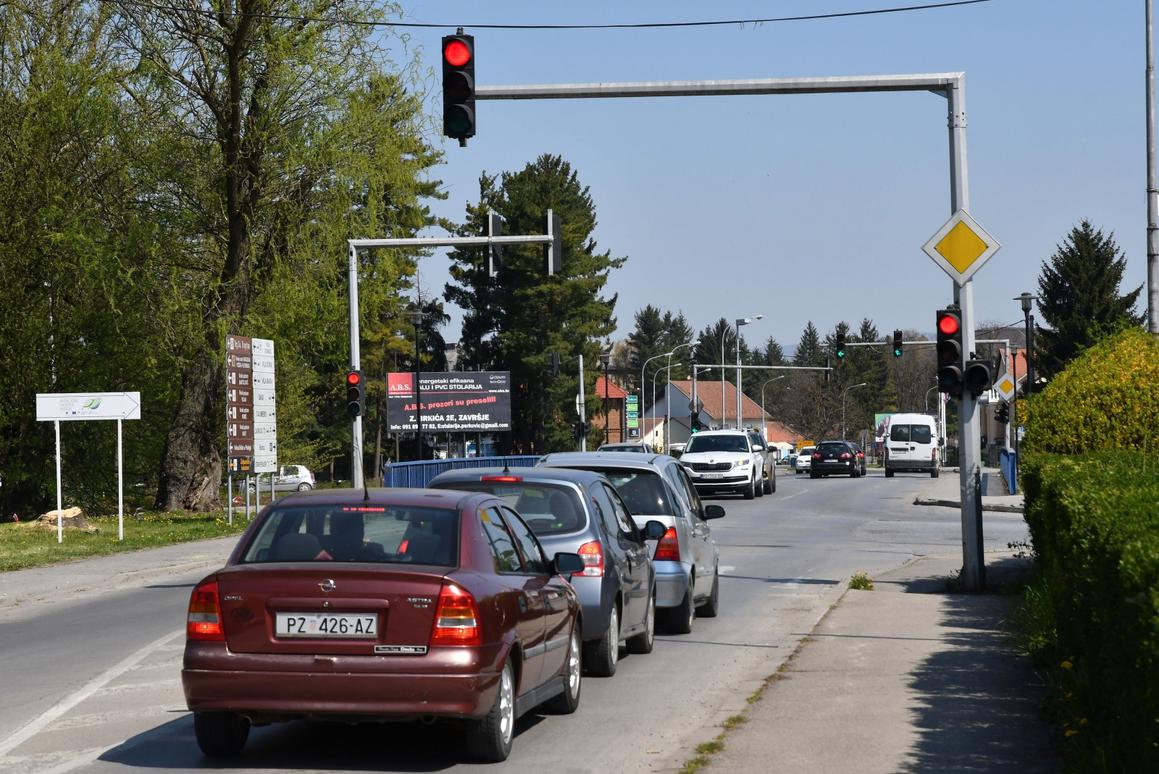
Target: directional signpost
{"x": 57, "y": 407}
{"x": 251, "y": 429}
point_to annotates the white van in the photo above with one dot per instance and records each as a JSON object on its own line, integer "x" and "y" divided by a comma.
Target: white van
{"x": 911, "y": 443}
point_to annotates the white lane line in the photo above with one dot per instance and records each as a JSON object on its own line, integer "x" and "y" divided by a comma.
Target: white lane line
{"x": 35, "y": 726}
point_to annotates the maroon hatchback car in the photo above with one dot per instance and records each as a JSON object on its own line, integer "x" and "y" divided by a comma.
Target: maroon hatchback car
{"x": 392, "y": 604}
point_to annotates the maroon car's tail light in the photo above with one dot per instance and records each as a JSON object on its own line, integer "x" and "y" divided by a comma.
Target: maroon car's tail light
{"x": 593, "y": 555}
{"x": 204, "y": 619}
{"x": 456, "y": 618}
{"x": 502, "y": 479}
{"x": 668, "y": 548}
{"x": 363, "y": 509}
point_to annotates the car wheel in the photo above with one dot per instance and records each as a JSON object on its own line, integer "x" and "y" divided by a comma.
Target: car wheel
{"x": 220, "y": 734}
{"x": 934, "y": 473}
{"x": 814, "y": 474}
{"x": 855, "y": 473}
{"x": 680, "y": 617}
{"x": 489, "y": 739}
{"x": 304, "y": 487}
{"x": 750, "y": 491}
{"x": 710, "y": 608}
{"x": 771, "y": 484}
{"x": 643, "y": 642}
{"x": 888, "y": 472}
{"x": 759, "y": 488}
{"x": 568, "y": 701}
{"x": 601, "y": 656}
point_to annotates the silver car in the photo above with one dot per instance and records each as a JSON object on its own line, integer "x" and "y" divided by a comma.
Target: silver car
{"x": 576, "y": 511}
{"x": 656, "y": 487}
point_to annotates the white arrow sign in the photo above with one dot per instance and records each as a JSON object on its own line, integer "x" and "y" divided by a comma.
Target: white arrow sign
{"x": 73, "y": 406}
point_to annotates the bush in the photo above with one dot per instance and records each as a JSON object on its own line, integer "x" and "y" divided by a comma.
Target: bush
{"x": 1107, "y": 398}
{"x": 1095, "y": 527}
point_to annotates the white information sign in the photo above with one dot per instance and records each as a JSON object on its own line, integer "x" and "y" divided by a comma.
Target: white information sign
{"x": 78, "y": 406}
{"x": 265, "y": 412}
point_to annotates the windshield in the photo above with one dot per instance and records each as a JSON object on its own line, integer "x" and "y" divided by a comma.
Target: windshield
{"x": 357, "y": 533}
{"x": 716, "y": 443}
{"x": 547, "y": 508}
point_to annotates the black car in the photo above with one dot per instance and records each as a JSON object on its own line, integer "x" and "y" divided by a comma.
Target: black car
{"x": 836, "y": 457}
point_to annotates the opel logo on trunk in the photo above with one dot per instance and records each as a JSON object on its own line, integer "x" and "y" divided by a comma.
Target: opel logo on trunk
{"x": 328, "y": 585}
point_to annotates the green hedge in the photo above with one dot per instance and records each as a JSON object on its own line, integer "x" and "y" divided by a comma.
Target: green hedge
{"x": 1094, "y": 520}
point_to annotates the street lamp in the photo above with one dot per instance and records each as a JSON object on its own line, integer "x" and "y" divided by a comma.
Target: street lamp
{"x": 643, "y": 383}
{"x": 667, "y": 401}
{"x": 928, "y": 397}
{"x": 605, "y": 358}
{"x": 764, "y": 433}
{"x": 739, "y": 322}
{"x": 843, "y": 394}
{"x": 1028, "y": 300}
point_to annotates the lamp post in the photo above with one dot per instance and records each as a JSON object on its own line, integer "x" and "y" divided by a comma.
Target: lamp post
{"x": 764, "y": 433}
{"x": 739, "y": 322}
{"x": 667, "y": 400}
{"x": 417, "y": 317}
{"x": 1028, "y": 300}
{"x": 643, "y": 383}
{"x": 928, "y": 397}
{"x": 843, "y": 394}
{"x": 605, "y": 358}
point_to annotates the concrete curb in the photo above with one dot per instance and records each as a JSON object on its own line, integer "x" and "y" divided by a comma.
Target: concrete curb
{"x": 957, "y": 504}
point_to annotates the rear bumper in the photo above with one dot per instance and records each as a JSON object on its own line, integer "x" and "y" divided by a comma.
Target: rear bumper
{"x": 672, "y": 581}
{"x": 447, "y": 682}
{"x": 923, "y": 465}
{"x": 844, "y": 468}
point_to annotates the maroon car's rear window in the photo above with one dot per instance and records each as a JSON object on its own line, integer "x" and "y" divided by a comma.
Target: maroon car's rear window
{"x": 357, "y": 533}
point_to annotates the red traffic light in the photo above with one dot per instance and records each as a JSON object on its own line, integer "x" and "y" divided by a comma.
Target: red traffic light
{"x": 456, "y": 52}
{"x": 949, "y": 324}
{"x": 354, "y": 378}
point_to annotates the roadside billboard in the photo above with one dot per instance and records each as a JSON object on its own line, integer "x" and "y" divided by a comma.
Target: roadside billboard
{"x": 452, "y": 401}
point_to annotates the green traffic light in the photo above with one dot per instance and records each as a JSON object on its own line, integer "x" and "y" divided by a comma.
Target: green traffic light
{"x": 897, "y": 352}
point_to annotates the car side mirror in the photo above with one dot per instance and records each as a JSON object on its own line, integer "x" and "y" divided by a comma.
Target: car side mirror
{"x": 653, "y": 530}
{"x": 567, "y": 564}
{"x": 713, "y": 511}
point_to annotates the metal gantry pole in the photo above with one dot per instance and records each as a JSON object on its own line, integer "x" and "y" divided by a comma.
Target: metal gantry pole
{"x": 1152, "y": 193}
{"x": 973, "y": 564}
{"x": 355, "y": 365}
{"x": 582, "y": 406}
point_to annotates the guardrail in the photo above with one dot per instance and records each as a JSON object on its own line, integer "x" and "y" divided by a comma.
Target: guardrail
{"x": 1008, "y": 462}
{"x": 419, "y": 473}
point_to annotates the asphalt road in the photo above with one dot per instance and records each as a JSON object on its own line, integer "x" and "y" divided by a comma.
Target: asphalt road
{"x": 90, "y": 682}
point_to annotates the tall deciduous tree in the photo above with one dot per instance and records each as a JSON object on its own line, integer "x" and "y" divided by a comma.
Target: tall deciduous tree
{"x": 275, "y": 136}
{"x": 516, "y": 320}
{"x": 1078, "y": 297}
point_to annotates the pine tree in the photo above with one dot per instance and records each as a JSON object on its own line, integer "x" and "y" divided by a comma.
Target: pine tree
{"x": 809, "y": 350}
{"x": 1078, "y": 297}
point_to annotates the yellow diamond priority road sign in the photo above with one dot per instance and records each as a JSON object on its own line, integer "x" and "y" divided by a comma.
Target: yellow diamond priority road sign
{"x": 1005, "y": 387}
{"x": 961, "y": 246}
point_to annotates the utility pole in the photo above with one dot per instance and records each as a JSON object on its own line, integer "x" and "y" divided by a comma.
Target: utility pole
{"x": 1152, "y": 193}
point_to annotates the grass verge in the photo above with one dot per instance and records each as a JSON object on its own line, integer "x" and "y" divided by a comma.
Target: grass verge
{"x": 29, "y": 544}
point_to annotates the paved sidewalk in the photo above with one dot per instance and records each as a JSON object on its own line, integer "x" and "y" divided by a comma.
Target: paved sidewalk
{"x": 904, "y": 678}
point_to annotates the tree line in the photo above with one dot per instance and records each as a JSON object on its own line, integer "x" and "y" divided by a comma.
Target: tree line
{"x": 173, "y": 173}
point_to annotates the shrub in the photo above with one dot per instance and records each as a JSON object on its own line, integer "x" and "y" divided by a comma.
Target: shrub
{"x": 1107, "y": 398}
{"x": 1095, "y": 527}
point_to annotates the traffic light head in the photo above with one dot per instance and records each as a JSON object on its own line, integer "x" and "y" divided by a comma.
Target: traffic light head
{"x": 459, "y": 87}
{"x": 950, "y": 376}
{"x": 897, "y": 343}
{"x": 355, "y": 394}
{"x": 977, "y": 378}
{"x": 839, "y": 346}
{"x": 1002, "y": 413}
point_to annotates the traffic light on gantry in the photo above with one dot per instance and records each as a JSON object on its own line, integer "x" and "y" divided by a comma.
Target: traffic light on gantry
{"x": 839, "y": 346}
{"x": 355, "y": 394}
{"x": 459, "y": 87}
{"x": 897, "y": 343}
{"x": 1002, "y": 413}
{"x": 949, "y": 325}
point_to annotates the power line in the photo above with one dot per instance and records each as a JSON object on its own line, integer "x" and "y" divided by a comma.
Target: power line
{"x": 487, "y": 26}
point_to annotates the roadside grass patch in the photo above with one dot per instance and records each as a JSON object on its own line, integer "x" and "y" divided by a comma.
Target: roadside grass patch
{"x": 861, "y": 581}
{"x": 24, "y": 545}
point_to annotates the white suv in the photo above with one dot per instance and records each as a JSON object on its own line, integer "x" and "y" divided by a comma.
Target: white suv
{"x": 724, "y": 461}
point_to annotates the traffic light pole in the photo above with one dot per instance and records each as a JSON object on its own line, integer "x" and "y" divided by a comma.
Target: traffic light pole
{"x": 551, "y": 239}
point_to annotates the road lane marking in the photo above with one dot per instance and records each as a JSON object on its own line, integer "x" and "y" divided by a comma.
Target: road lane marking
{"x": 38, "y": 724}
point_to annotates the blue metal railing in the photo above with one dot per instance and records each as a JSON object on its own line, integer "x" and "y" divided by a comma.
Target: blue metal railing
{"x": 419, "y": 474}
{"x": 1008, "y": 462}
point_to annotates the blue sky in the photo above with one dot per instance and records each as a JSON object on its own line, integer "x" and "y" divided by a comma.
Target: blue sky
{"x": 815, "y": 207}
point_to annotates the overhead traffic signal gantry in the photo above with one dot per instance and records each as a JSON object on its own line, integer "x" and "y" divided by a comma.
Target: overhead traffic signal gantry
{"x": 459, "y": 86}
{"x": 355, "y": 394}
{"x": 897, "y": 343}
{"x": 949, "y": 327}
